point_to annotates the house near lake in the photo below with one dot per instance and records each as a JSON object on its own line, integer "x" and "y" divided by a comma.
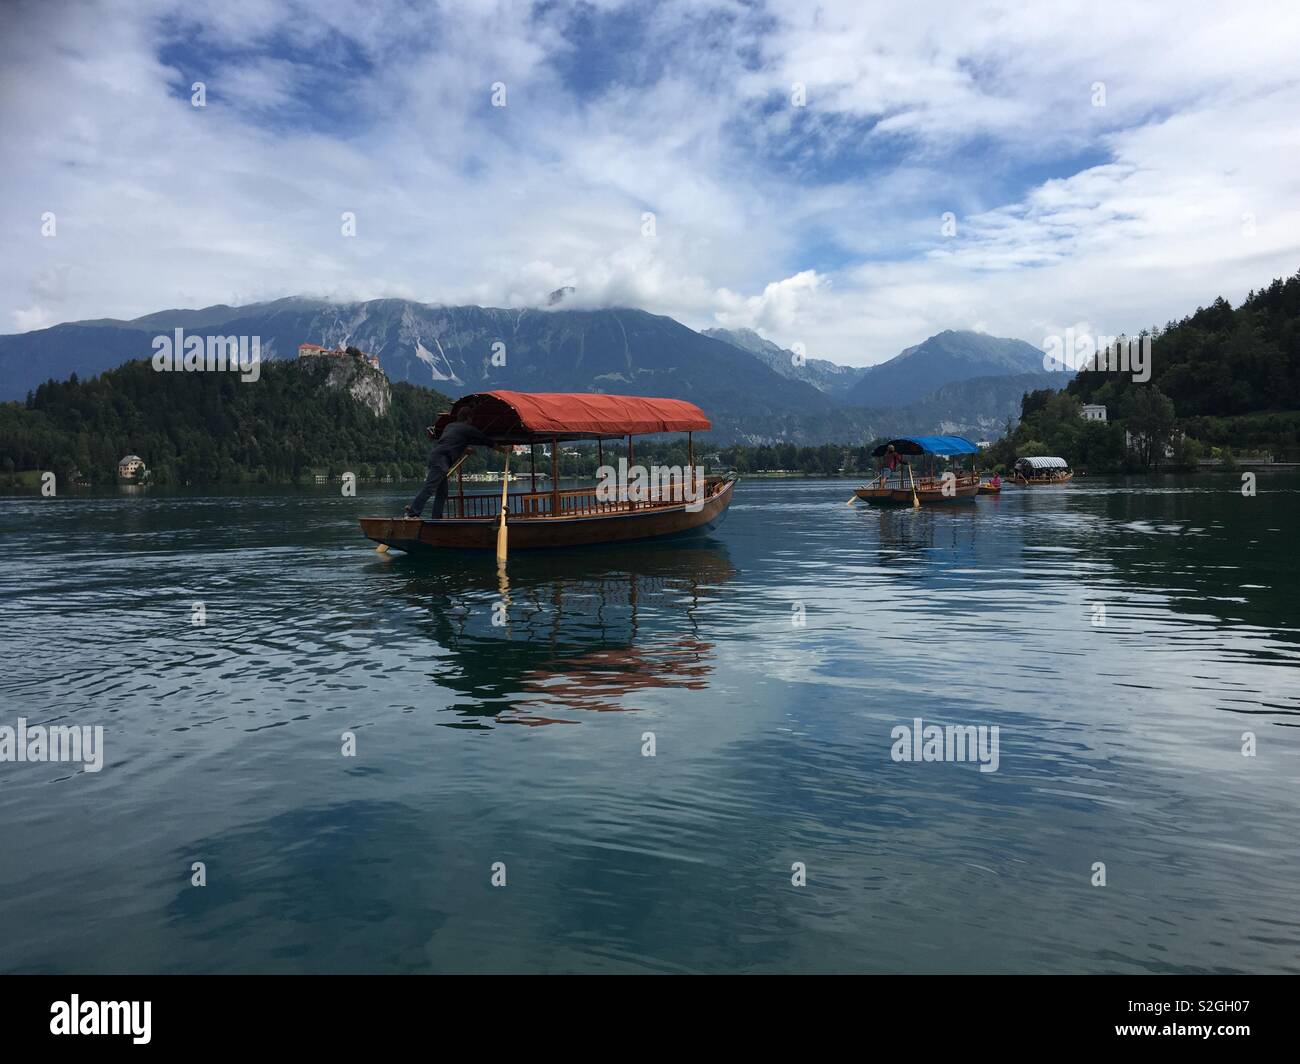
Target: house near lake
{"x": 131, "y": 468}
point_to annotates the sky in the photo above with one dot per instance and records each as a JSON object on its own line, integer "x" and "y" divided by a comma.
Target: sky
{"x": 849, "y": 176}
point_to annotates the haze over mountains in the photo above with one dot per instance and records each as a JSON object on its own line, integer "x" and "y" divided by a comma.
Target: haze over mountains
{"x": 753, "y": 390}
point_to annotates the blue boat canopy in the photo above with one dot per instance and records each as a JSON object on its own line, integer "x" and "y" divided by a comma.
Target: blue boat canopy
{"x": 928, "y": 445}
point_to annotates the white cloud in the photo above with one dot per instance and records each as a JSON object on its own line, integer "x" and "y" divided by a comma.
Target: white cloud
{"x": 30, "y": 318}
{"x": 820, "y": 226}
{"x": 780, "y": 309}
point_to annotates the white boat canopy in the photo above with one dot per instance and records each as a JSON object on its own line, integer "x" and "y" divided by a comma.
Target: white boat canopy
{"x": 1043, "y": 463}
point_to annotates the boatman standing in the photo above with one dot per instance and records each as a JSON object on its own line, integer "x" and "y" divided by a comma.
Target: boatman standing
{"x": 890, "y": 464}
{"x": 456, "y": 439}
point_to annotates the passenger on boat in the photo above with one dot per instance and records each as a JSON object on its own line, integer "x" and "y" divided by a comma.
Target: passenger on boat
{"x": 996, "y": 482}
{"x": 455, "y": 441}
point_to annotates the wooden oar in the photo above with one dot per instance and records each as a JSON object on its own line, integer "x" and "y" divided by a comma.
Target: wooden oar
{"x": 854, "y": 497}
{"x": 502, "y": 535}
{"x": 916, "y": 502}
{"x": 458, "y": 464}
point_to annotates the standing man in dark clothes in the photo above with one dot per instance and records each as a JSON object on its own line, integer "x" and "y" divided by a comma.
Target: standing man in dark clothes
{"x": 455, "y": 441}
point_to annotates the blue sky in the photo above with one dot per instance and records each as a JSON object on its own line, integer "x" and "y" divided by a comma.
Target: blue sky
{"x": 1104, "y": 166}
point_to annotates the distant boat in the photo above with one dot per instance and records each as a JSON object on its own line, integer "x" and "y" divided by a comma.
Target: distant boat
{"x": 1041, "y": 472}
{"x": 568, "y": 517}
{"x": 904, "y": 488}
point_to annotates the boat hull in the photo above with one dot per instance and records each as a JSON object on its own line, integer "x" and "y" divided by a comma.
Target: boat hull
{"x": 928, "y": 494}
{"x": 1035, "y": 483}
{"x": 416, "y": 535}
{"x": 989, "y": 489}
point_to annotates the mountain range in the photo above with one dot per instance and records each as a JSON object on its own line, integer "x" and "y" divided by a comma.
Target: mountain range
{"x": 753, "y": 390}
{"x": 828, "y": 377}
{"x": 944, "y": 359}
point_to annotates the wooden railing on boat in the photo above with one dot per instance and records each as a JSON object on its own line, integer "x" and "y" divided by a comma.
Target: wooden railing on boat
{"x": 925, "y": 483}
{"x": 572, "y": 502}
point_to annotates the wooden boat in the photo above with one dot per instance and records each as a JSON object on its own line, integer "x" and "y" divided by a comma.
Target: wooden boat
{"x": 689, "y": 504}
{"x": 904, "y": 488}
{"x": 989, "y": 489}
{"x": 1041, "y": 472}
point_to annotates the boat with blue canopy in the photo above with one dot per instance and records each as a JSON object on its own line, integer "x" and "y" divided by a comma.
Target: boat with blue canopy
{"x": 898, "y": 483}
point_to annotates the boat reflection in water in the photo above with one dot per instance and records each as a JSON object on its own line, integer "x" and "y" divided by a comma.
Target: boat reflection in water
{"x": 904, "y": 536}
{"x": 561, "y": 634}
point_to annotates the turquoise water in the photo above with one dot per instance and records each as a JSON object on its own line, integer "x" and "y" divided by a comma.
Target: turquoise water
{"x": 523, "y": 743}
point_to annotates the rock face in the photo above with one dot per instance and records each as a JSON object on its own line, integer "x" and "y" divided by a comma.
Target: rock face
{"x": 367, "y": 385}
{"x": 364, "y": 383}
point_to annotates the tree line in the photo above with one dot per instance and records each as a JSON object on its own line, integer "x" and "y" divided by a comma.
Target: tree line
{"x": 290, "y": 427}
{"x": 1224, "y": 381}
{"x": 209, "y": 428}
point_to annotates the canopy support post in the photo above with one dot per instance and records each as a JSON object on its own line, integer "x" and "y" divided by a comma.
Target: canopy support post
{"x": 532, "y": 472}
{"x": 555, "y": 476}
{"x": 600, "y": 464}
{"x": 690, "y": 462}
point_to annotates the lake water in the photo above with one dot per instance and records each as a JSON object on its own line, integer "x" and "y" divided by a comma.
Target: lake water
{"x": 524, "y": 743}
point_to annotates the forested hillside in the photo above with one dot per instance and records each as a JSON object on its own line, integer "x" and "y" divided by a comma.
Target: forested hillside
{"x": 1220, "y": 361}
{"x": 1224, "y": 382}
{"x": 204, "y": 428}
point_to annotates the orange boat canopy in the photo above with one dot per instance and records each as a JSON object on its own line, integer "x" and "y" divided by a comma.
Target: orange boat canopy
{"x": 522, "y": 417}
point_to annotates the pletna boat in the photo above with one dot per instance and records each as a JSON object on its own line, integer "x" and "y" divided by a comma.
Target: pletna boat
{"x": 905, "y": 488}
{"x": 1040, "y": 472}
{"x": 670, "y": 502}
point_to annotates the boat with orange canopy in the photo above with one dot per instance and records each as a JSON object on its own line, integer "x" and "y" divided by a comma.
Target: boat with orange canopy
{"x": 675, "y": 502}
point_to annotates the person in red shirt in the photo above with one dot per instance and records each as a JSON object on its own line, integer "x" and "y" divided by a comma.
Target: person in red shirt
{"x": 890, "y": 463}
